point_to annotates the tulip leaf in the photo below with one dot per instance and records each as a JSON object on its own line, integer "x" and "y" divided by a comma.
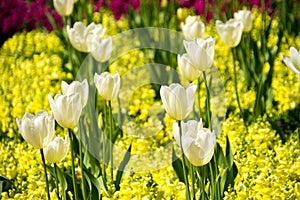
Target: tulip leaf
{"x": 93, "y": 184}
{"x": 220, "y": 156}
{"x": 63, "y": 182}
{"x": 5, "y": 184}
{"x": 229, "y": 156}
{"x": 122, "y": 167}
{"x": 177, "y": 166}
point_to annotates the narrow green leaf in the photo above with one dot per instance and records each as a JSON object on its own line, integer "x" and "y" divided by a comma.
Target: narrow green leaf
{"x": 229, "y": 156}
{"x": 298, "y": 137}
{"x": 177, "y": 166}
{"x": 122, "y": 167}
{"x": 63, "y": 182}
{"x": 220, "y": 156}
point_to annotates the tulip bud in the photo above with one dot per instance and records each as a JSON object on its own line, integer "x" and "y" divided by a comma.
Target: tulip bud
{"x": 197, "y": 142}
{"x": 66, "y": 109}
{"x": 178, "y": 102}
{"x": 80, "y": 87}
{"x": 193, "y": 28}
{"x": 201, "y": 52}
{"x": 107, "y": 85}
{"x": 57, "y": 150}
{"x": 293, "y": 62}
{"x": 187, "y": 70}
{"x": 80, "y": 35}
{"x": 246, "y": 18}
{"x": 64, "y": 7}
{"x": 101, "y": 51}
{"x": 230, "y": 32}
{"x": 37, "y": 130}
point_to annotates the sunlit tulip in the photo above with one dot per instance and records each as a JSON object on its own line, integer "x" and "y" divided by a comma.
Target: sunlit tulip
{"x": 66, "y": 109}
{"x": 197, "y": 142}
{"x": 57, "y": 150}
{"x": 293, "y": 62}
{"x": 101, "y": 50}
{"x": 246, "y": 18}
{"x": 80, "y": 87}
{"x": 80, "y": 35}
{"x": 107, "y": 85}
{"x": 230, "y": 32}
{"x": 193, "y": 28}
{"x": 201, "y": 52}
{"x": 177, "y": 100}
{"x": 37, "y": 130}
{"x": 186, "y": 69}
{"x": 64, "y": 7}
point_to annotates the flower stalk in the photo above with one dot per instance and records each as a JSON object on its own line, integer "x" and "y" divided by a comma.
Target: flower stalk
{"x": 186, "y": 180}
{"x": 71, "y": 135}
{"x": 45, "y": 170}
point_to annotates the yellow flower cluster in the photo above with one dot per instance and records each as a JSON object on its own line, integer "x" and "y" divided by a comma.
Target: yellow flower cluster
{"x": 30, "y": 68}
{"x": 267, "y": 168}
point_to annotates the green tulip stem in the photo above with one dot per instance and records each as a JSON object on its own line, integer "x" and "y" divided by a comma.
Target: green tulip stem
{"x": 207, "y": 102}
{"x": 82, "y": 171}
{"x": 201, "y": 182}
{"x": 236, "y": 89}
{"x": 56, "y": 181}
{"x": 186, "y": 179}
{"x": 45, "y": 170}
{"x": 199, "y": 96}
{"x": 73, "y": 165}
{"x": 111, "y": 142}
{"x": 193, "y": 180}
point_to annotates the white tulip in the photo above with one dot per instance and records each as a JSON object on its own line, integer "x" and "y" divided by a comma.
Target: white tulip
{"x": 80, "y": 35}
{"x": 187, "y": 70}
{"x": 193, "y": 28}
{"x": 101, "y": 50}
{"x": 66, "y": 109}
{"x": 107, "y": 85}
{"x": 37, "y": 130}
{"x": 246, "y": 17}
{"x": 230, "y": 32}
{"x": 197, "y": 142}
{"x": 80, "y": 87}
{"x": 293, "y": 62}
{"x": 57, "y": 150}
{"x": 64, "y": 7}
{"x": 201, "y": 52}
{"x": 178, "y": 102}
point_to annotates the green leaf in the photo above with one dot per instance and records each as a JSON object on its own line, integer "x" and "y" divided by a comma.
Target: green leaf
{"x": 220, "y": 156}
{"x": 63, "y": 182}
{"x": 298, "y": 137}
{"x": 94, "y": 185}
{"x": 229, "y": 156}
{"x": 177, "y": 166}
{"x": 122, "y": 167}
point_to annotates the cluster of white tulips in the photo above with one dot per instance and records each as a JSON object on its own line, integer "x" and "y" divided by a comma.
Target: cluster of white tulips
{"x": 197, "y": 143}
{"x": 39, "y": 130}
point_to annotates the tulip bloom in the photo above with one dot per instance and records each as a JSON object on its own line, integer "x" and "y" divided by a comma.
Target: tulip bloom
{"x": 193, "y": 28}
{"x": 187, "y": 70}
{"x": 64, "y": 7}
{"x": 80, "y": 87}
{"x": 101, "y": 51}
{"x": 246, "y": 18}
{"x": 178, "y": 102}
{"x": 80, "y": 35}
{"x": 230, "y": 32}
{"x": 293, "y": 62}
{"x": 57, "y": 150}
{"x": 197, "y": 142}
{"x": 37, "y": 130}
{"x": 66, "y": 109}
{"x": 201, "y": 52}
{"x": 107, "y": 85}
